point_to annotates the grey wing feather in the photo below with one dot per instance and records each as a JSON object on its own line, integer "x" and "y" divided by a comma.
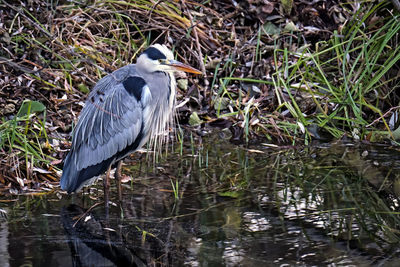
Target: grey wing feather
{"x": 110, "y": 121}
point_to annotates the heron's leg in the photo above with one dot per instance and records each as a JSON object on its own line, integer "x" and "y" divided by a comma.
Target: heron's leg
{"x": 106, "y": 184}
{"x": 118, "y": 177}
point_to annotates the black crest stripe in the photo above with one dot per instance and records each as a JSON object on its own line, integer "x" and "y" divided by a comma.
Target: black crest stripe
{"x": 154, "y": 53}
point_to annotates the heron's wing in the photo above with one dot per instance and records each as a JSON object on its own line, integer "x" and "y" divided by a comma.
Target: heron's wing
{"x": 111, "y": 121}
{"x": 110, "y": 126}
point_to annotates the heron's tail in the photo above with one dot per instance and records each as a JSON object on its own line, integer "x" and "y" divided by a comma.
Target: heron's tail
{"x": 69, "y": 175}
{"x": 73, "y": 179}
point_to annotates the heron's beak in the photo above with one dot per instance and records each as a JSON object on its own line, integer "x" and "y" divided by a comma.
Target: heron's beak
{"x": 182, "y": 67}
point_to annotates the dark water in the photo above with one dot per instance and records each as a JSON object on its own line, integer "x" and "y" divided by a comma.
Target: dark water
{"x": 330, "y": 204}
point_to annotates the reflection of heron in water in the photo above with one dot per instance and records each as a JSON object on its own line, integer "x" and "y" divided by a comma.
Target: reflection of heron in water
{"x": 93, "y": 245}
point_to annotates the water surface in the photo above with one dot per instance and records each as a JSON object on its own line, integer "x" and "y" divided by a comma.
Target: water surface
{"x": 216, "y": 204}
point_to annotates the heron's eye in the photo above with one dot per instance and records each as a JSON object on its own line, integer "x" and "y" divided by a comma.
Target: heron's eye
{"x": 163, "y": 61}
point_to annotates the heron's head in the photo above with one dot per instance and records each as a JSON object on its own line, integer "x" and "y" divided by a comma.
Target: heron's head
{"x": 159, "y": 58}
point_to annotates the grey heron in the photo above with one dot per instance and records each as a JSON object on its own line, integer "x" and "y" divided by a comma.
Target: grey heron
{"x": 123, "y": 111}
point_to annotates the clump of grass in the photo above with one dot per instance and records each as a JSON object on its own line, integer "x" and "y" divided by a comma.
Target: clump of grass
{"x": 24, "y": 139}
{"x": 350, "y": 80}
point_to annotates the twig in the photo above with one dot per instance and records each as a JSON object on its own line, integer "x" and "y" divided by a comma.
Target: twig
{"x": 86, "y": 212}
{"x": 384, "y": 115}
{"x": 18, "y": 66}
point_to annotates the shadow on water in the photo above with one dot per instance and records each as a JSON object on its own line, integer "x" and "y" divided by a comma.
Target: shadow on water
{"x": 214, "y": 204}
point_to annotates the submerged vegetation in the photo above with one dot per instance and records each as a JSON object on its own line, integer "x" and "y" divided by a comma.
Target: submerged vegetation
{"x": 279, "y": 71}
